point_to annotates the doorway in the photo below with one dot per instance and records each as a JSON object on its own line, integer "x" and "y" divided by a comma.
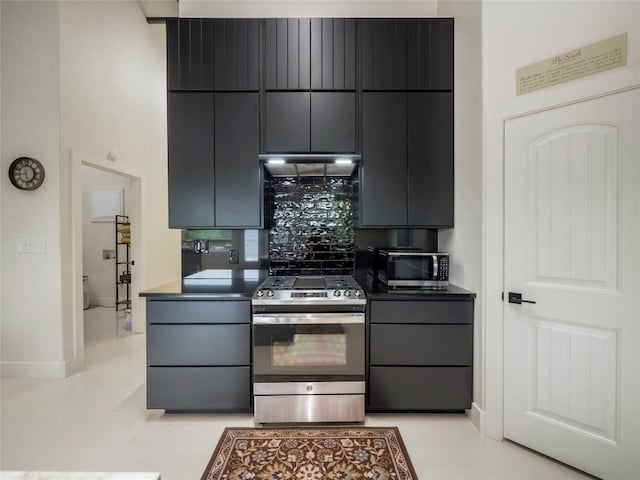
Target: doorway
{"x": 134, "y": 178}
{"x": 495, "y": 267}
{"x": 106, "y": 297}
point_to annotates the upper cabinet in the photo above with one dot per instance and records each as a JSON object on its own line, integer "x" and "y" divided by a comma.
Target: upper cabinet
{"x": 214, "y": 178}
{"x": 406, "y": 54}
{"x": 310, "y": 54}
{"x": 407, "y": 159}
{"x": 304, "y": 122}
{"x": 213, "y": 54}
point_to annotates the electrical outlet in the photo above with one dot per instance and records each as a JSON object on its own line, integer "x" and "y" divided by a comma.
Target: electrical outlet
{"x": 23, "y": 245}
{"x": 38, "y": 245}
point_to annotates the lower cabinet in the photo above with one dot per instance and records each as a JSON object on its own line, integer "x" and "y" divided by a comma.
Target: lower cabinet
{"x": 199, "y": 355}
{"x": 420, "y": 355}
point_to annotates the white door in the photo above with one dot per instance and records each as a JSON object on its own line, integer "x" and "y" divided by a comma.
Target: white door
{"x": 572, "y": 237}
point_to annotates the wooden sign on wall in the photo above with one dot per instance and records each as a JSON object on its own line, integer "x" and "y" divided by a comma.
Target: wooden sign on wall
{"x": 583, "y": 61}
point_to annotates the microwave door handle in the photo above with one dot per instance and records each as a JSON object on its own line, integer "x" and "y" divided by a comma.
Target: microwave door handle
{"x": 435, "y": 266}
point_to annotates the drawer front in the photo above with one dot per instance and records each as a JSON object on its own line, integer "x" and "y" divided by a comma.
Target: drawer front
{"x": 420, "y": 388}
{"x": 198, "y": 345}
{"x": 421, "y": 344}
{"x": 428, "y": 311}
{"x": 195, "y": 311}
{"x": 199, "y": 388}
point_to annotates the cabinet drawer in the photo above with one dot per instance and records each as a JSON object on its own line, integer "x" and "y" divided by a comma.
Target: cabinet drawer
{"x": 421, "y": 344}
{"x": 428, "y": 311}
{"x": 198, "y": 345}
{"x": 199, "y": 388}
{"x": 420, "y": 388}
{"x": 193, "y": 311}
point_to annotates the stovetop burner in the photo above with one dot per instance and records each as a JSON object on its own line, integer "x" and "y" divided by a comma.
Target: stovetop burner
{"x": 309, "y": 290}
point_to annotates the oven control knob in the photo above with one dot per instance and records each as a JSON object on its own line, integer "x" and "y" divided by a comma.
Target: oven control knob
{"x": 260, "y": 293}
{"x": 309, "y": 387}
{"x": 270, "y": 293}
{"x": 358, "y": 293}
{"x": 347, "y": 293}
{"x": 336, "y": 293}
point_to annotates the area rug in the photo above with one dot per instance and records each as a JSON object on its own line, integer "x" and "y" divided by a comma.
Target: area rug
{"x": 335, "y": 453}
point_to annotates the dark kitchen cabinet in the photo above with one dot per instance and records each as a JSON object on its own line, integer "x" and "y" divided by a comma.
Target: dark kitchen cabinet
{"x": 189, "y": 54}
{"x": 214, "y": 177}
{"x": 238, "y": 182}
{"x": 406, "y": 54}
{"x": 302, "y": 122}
{"x": 199, "y": 355}
{"x": 213, "y": 54}
{"x": 407, "y": 159}
{"x": 191, "y": 159}
{"x": 303, "y": 54}
{"x": 430, "y": 159}
{"x": 420, "y": 354}
{"x": 236, "y": 64}
{"x": 287, "y": 122}
{"x": 383, "y": 194}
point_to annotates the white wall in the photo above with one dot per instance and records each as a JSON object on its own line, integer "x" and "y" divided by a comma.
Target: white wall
{"x": 88, "y": 76}
{"x": 515, "y": 34}
{"x": 464, "y": 242}
{"x": 113, "y": 97}
{"x": 99, "y": 236}
{"x": 31, "y": 330}
{"x": 307, "y": 8}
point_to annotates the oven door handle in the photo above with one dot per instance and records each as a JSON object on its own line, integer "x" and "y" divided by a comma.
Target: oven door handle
{"x": 307, "y": 318}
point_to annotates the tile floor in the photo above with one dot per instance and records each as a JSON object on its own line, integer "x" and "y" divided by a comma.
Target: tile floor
{"x": 97, "y": 421}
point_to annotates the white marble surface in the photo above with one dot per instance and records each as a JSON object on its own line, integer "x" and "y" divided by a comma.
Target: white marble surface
{"x": 79, "y": 475}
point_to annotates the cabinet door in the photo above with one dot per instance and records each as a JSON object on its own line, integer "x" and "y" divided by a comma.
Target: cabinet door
{"x": 333, "y": 122}
{"x": 235, "y": 59}
{"x": 193, "y": 345}
{"x": 383, "y": 52}
{"x": 420, "y": 388}
{"x": 199, "y": 388}
{"x": 287, "y": 118}
{"x": 333, "y": 54}
{"x": 189, "y": 54}
{"x": 384, "y": 159}
{"x": 421, "y": 345}
{"x": 287, "y": 53}
{"x": 426, "y": 312}
{"x": 191, "y": 159}
{"x": 237, "y": 182}
{"x": 430, "y": 54}
{"x": 430, "y": 159}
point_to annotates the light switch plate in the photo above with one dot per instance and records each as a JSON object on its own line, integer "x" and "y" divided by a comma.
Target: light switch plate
{"x": 23, "y": 245}
{"x": 38, "y": 245}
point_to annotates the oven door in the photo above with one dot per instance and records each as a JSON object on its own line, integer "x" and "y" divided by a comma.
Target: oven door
{"x": 308, "y": 347}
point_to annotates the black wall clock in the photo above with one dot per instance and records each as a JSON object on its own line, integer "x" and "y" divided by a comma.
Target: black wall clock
{"x": 26, "y": 173}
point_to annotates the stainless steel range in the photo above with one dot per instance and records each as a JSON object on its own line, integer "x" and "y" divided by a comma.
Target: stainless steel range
{"x": 308, "y": 350}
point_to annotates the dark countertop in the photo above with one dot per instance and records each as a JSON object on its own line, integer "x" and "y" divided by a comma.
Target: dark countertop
{"x": 232, "y": 287}
{"x": 377, "y": 291}
{"x": 237, "y": 287}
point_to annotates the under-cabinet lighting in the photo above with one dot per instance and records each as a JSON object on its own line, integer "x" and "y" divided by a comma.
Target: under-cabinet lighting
{"x": 276, "y": 161}
{"x": 344, "y": 161}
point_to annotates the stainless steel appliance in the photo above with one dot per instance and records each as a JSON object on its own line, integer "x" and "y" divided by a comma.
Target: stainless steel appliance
{"x": 308, "y": 350}
{"x": 413, "y": 269}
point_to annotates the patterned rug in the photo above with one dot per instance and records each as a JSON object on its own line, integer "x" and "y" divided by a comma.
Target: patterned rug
{"x": 335, "y": 453}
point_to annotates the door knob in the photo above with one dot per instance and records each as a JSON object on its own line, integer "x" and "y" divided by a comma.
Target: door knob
{"x": 517, "y": 298}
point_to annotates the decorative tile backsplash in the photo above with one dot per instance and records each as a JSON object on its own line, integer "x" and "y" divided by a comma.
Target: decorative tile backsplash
{"x": 312, "y": 226}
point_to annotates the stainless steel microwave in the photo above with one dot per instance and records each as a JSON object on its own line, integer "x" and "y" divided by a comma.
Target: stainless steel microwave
{"x": 413, "y": 269}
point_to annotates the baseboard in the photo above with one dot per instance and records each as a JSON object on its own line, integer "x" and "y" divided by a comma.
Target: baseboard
{"x": 476, "y": 414}
{"x": 102, "y": 301}
{"x": 51, "y": 370}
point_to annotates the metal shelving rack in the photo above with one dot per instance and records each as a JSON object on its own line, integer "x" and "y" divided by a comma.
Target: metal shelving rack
{"x": 123, "y": 262}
